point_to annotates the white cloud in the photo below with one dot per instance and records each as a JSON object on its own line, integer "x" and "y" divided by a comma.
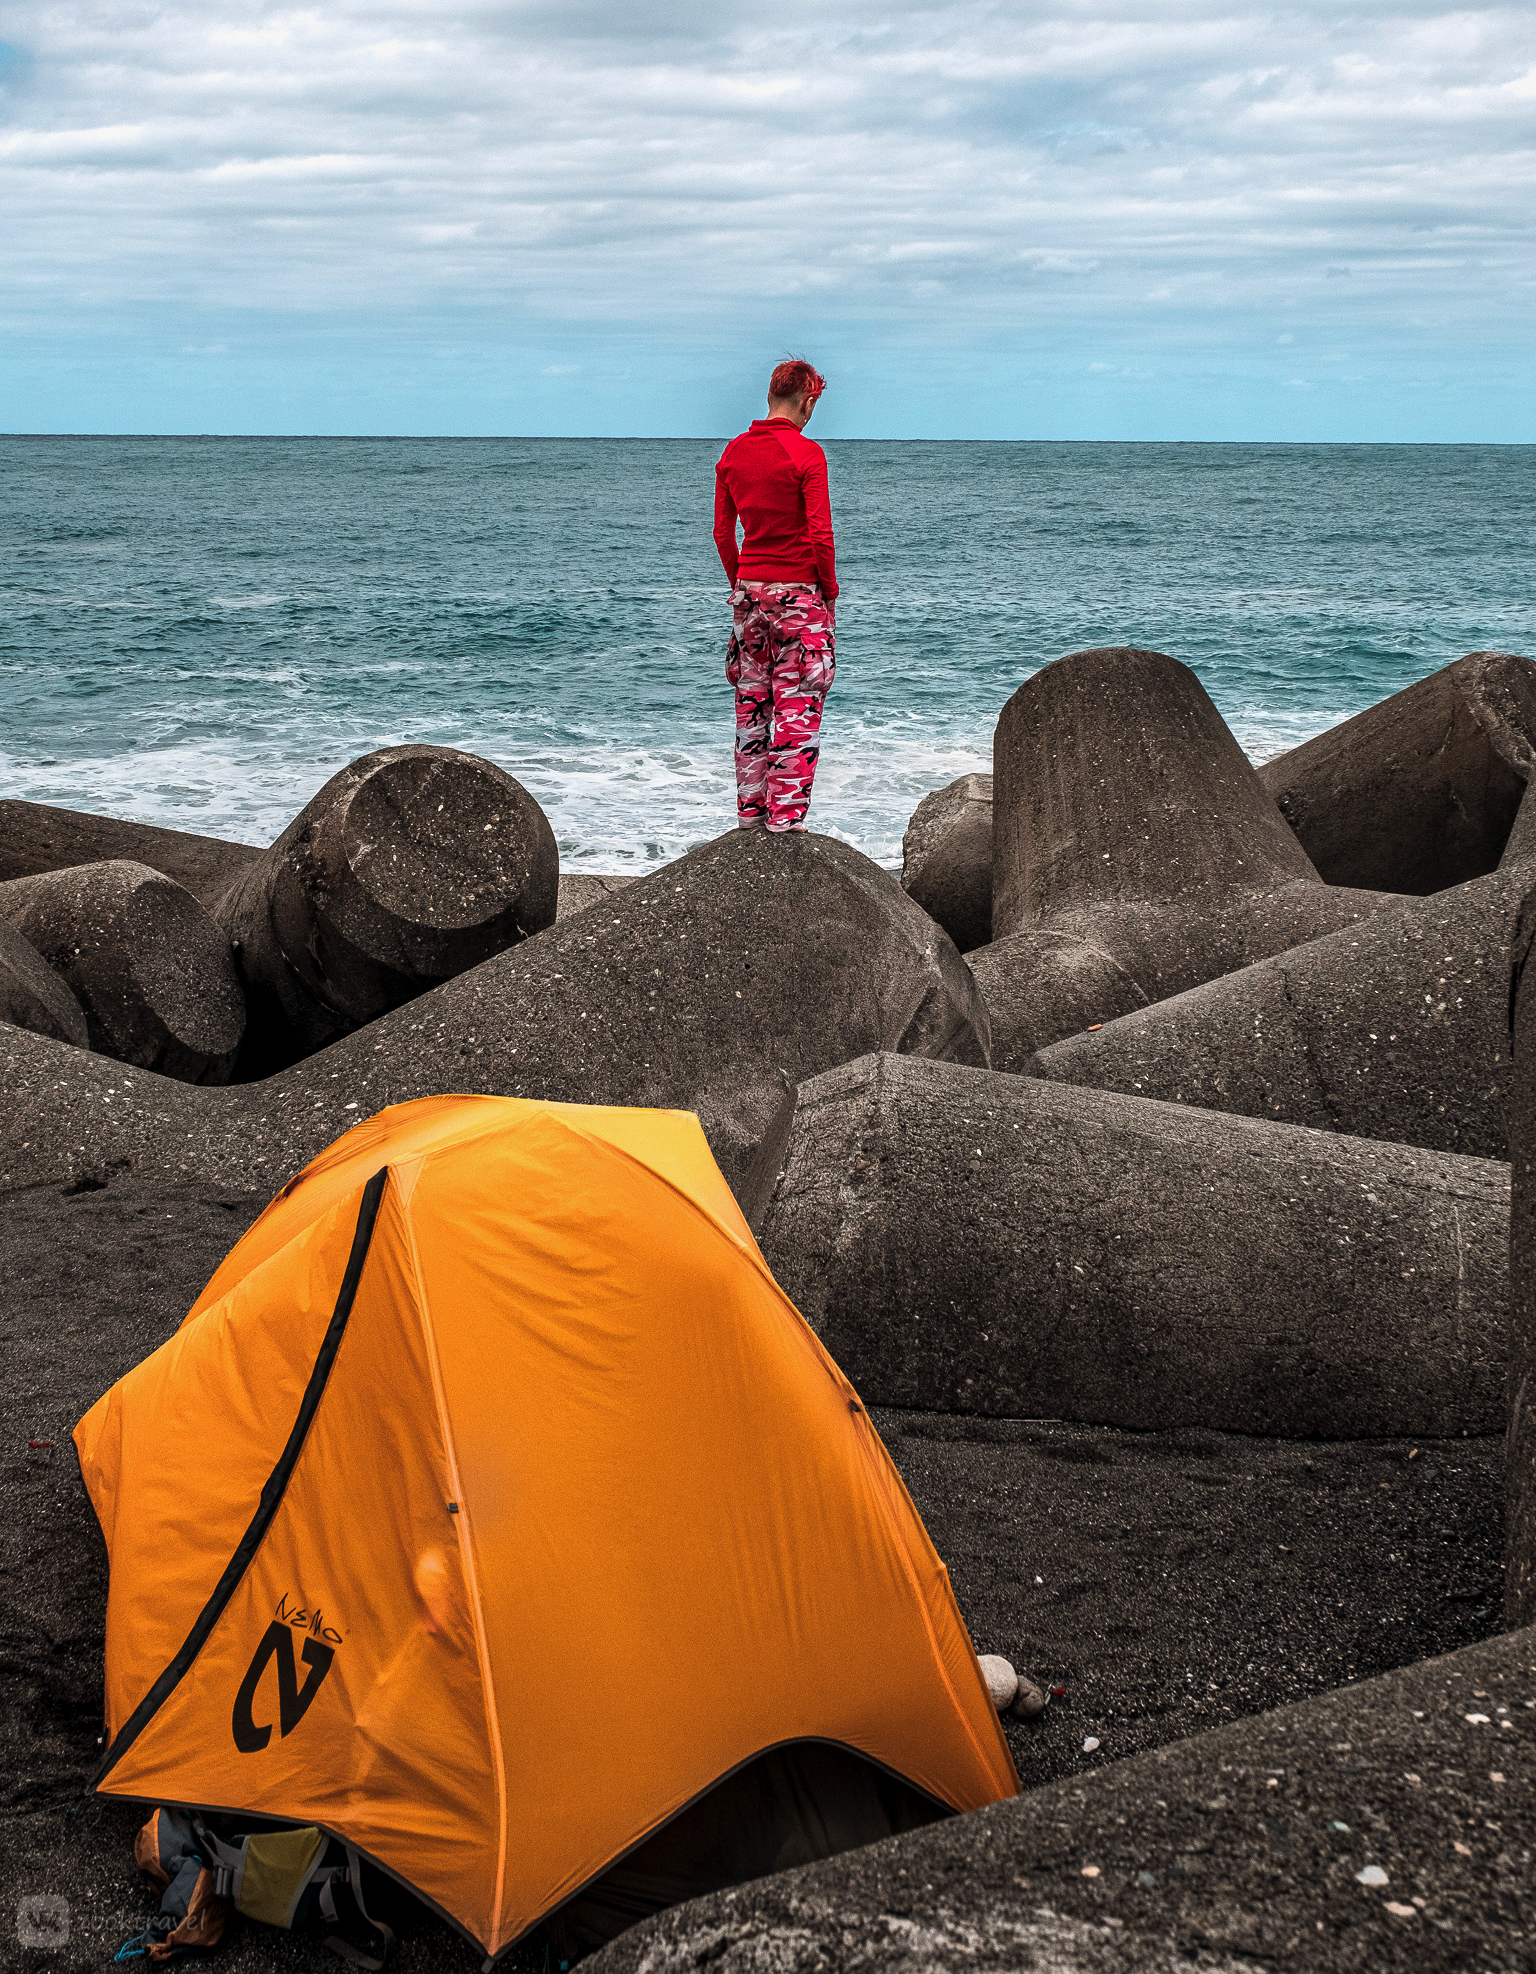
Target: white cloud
{"x": 630, "y": 164}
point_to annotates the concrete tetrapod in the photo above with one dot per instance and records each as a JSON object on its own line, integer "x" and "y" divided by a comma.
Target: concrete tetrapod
{"x": 1420, "y": 791}
{"x": 1384, "y": 1826}
{"x": 410, "y": 866}
{"x": 35, "y": 837}
{"x": 1397, "y": 1028}
{"x": 1520, "y": 1462}
{"x": 148, "y": 967}
{"x": 981, "y": 1243}
{"x": 711, "y": 985}
{"x": 1171, "y": 1561}
{"x": 1134, "y": 851}
{"x": 33, "y": 996}
{"x": 946, "y": 859}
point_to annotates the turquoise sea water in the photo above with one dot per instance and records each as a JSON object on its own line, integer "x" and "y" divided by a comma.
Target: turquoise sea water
{"x": 199, "y": 631}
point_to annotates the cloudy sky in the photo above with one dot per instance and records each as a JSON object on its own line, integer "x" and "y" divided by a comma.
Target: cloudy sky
{"x": 1076, "y": 219}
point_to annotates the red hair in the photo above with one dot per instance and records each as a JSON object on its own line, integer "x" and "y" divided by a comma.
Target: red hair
{"x": 795, "y": 378}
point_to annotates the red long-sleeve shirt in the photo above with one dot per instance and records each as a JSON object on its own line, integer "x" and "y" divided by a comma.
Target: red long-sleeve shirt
{"x": 775, "y": 479}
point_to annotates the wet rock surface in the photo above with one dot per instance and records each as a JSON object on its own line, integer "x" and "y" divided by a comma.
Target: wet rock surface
{"x": 990, "y": 1244}
{"x": 714, "y": 984}
{"x": 409, "y": 867}
{"x": 1184, "y": 1579}
{"x": 35, "y": 837}
{"x": 1397, "y": 1028}
{"x": 150, "y": 970}
{"x": 946, "y": 859}
{"x": 33, "y": 996}
{"x": 1418, "y": 792}
{"x": 1135, "y": 852}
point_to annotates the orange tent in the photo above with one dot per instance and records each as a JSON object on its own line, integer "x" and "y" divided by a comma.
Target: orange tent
{"x": 493, "y": 1504}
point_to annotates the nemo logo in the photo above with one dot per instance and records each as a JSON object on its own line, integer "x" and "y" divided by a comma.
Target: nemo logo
{"x": 293, "y": 1700}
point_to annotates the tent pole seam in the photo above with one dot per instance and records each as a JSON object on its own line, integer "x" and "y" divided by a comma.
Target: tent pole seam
{"x": 466, "y": 1552}
{"x": 272, "y": 1492}
{"x": 879, "y": 1460}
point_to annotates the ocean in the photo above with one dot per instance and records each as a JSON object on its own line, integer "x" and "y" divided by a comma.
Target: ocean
{"x": 198, "y": 632}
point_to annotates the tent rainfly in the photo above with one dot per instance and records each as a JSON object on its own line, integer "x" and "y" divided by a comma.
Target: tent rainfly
{"x": 495, "y": 1511}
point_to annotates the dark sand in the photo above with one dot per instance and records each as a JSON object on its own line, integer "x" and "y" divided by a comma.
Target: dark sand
{"x": 1238, "y": 1851}
{"x": 1187, "y": 1579}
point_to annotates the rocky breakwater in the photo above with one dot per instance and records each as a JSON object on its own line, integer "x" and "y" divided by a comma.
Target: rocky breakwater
{"x": 987, "y": 1244}
{"x": 145, "y": 964}
{"x": 1421, "y": 791}
{"x": 715, "y": 984}
{"x": 1135, "y": 852}
{"x": 410, "y": 866}
{"x": 1520, "y": 1456}
{"x": 1395, "y": 1028}
{"x": 35, "y": 838}
{"x": 946, "y": 859}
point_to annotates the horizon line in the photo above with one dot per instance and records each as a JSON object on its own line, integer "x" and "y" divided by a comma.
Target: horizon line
{"x": 651, "y": 438}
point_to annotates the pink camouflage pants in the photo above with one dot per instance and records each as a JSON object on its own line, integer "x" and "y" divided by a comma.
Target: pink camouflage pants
{"x": 781, "y": 660}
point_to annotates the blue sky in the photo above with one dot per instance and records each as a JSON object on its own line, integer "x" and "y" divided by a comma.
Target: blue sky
{"x": 1072, "y": 220}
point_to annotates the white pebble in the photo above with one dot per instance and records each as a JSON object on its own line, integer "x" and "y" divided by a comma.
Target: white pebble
{"x": 1002, "y": 1680}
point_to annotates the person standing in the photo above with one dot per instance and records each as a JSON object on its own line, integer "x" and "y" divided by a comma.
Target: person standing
{"x": 783, "y": 650}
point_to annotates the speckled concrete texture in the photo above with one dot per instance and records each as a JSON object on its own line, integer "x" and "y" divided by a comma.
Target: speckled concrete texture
{"x": 1397, "y": 1028}
{"x": 1118, "y": 756}
{"x": 714, "y": 984}
{"x": 411, "y": 865}
{"x": 1389, "y": 1826}
{"x": 1420, "y": 791}
{"x": 33, "y": 996}
{"x": 946, "y": 859}
{"x": 579, "y": 890}
{"x": 1135, "y": 851}
{"x": 36, "y": 837}
{"x": 1520, "y": 1505}
{"x": 989, "y": 1244}
{"x": 149, "y": 968}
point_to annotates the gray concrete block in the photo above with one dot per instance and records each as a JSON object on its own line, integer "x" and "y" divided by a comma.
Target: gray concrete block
{"x": 410, "y": 866}
{"x": 1520, "y": 1459}
{"x": 711, "y": 985}
{"x": 1135, "y": 852}
{"x": 1047, "y": 983}
{"x": 1234, "y": 1850}
{"x": 149, "y": 968}
{"x": 1418, "y": 792}
{"x": 982, "y": 1243}
{"x": 1395, "y": 1028}
{"x": 946, "y": 859}
{"x": 1118, "y": 758}
{"x": 580, "y": 890}
{"x": 33, "y": 996}
{"x": 35, "y": 837}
